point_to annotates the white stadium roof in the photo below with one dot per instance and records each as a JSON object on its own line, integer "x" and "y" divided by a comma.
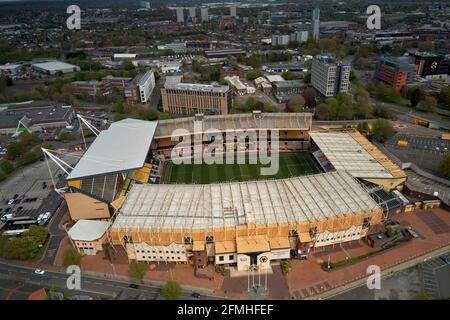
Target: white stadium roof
{"x": 123, "y": 146}
{"x": 345, "y": 153}
{"x": 55, "y": 65}
{"x": 88, "y": 230}
{"x": 226, "y": 205}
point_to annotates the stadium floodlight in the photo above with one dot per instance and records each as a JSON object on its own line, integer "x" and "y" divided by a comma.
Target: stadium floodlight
{"x": 60, "y": 163}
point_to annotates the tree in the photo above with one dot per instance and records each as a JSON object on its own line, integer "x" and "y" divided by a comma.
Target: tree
{"x": 28, "y": 139}
{"x": 345, "y": 106}
{"x": 382, "y": 130}
{"x": 307, "y": 78}
{"x": 71, "y": 257}
{"x": 427, "y": 104}
{"x": 444, "y": 166}
{"x": 171, "y": 290}
{"x": 310, "y": 97}
{"x": 362, "y": 107}
{"x": 322, "y": 112}
{"x": 15, "y": 149}
{"x": 253, "y": 74}
{"x": 128, "y": 65}
{"x": 6, "y": 166}
{"x": 295, "y": 103}
{"x": 363, "y": 127}
{"x": 289, "y": 75}
{"x": 286, "y": 267}
{"x": 444, "y": 97}
{"x": 415, "y": 97}
{"x": 138, "y": 270}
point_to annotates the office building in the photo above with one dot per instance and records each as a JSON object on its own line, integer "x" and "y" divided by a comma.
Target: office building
{"x": 280, "y": 40}
{"x": 330, "y": 76}
{"x": 299, "y": 36}
{"x": 233, "y": 11}
{"x": 180, "y": 14}
{"x": 188, "y": 98}
{"x": 140, "y": 88}
{"x": 192, "y": 14}
{"x": 396, "y": 72}
{"x": 431, "y": 66}
{"x": 316, "y": 24}
{"x": 204, "y": 14}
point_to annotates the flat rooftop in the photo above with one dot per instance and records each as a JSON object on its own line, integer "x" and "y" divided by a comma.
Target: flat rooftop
{"x": 197, "y": 87}
{"x": 227, "y": 205}
{"x": 299, "y": 121}
{"x": 55, "y": 65}
{"x": 37, "y": 112}
{"x": 122, "y": 147}
{"x": 355, "y": 154}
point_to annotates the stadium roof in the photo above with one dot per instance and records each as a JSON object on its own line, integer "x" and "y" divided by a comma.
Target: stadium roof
{"x": 122, "y": 147}
{"x": 299, "y": 121}
{"x": 227, "y": 205}
{"x": 88, "y": 230}
{"x": 346, "y": 151}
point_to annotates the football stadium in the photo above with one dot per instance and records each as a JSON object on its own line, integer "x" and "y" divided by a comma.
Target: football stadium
{"x": 228, "y": 214}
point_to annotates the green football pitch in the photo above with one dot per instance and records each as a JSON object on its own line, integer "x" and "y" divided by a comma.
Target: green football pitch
{"x": 290, "y": 165}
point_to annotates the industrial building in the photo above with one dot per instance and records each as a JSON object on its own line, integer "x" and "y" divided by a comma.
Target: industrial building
{"x": 188, "y": 98}
{"x": 54, "y": 67}
{"x": 222, "y": 54}
{"x": 140, "y": 88}
{"x": 396, "y": 72}
{"x": 330, "y": 76}
{"x": 10, "y": 69}
{"x": 34, "y": 116}
{"x": 283, "y": 89}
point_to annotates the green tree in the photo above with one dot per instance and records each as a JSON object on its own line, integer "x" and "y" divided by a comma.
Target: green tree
{"x": 444, "y": 166}
{"x": 15, "y": 149}
{"x": 307, "y": 78}
{"x": 29, "y": 139}
{"x": 171, "y": 290}
{"x": 138, "y": 270}
{"x": 128, "y": 65}
{"x": 286, "y": 267}
{"x": 253, "y": 74}
{"x": 71, "y": 257}
{"x": 310, "y": 97}
{"x": 362, "y": 107}
{"x": 427, "y": 104}
{"x": 415, "y": 97}
{"x": 295, "y": 103}
{"x": 6, "y": 166}
{"x": 382, "y": 130}
{"x": 363, "y": 127}
{"x": 289, "y": 75}
{"x": 322, "y": 112}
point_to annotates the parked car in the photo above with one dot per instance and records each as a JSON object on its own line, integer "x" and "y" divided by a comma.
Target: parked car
{"x": 134, "y": 286}
{"x": 39, "y": 271}
{"x": 195, "y": 295}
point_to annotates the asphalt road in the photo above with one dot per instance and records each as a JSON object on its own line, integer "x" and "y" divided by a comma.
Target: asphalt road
{"x": 56, "y": 235}
{"x": 89, "y": 285}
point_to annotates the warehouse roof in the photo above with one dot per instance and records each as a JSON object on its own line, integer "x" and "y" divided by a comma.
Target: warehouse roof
{"x": 227, "y": 205}
{"x": 55, "y": 66}
{"x": 123, "y": 146}
{"x": 88, "y": 230}
{"x": 299, "y": 121}
{"x": 346, "y": 153}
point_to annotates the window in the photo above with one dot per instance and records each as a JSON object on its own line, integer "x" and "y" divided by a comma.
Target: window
{"x": 221, "y": 258}
{"x": 231, "y": 257}
{"x": 293, "y": 233}
{"x": 209, "y": 239}
{"x": 187, "y": 240}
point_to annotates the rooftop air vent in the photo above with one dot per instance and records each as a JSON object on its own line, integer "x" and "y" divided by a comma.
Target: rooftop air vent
{"x": 199, "y": 117}
{"x": 257, "y": 114}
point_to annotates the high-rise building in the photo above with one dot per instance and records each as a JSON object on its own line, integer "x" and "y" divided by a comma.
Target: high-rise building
{"x": 180, "y": 14}
{"x": 330, "y": 76}
{"x": 280, "y": 40}
{"x": 396, "y": 72}
{"x": 204, "y": 14}
{"x": 192, "y": 13}
{"x": 145, "y": 4}
{"x": 188, "y": 98}
{"x": 299, "y": 36}
{"x": 316, "y": 24}
{"x": 140, "y": 88}
{"x": 233, "y": 11}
